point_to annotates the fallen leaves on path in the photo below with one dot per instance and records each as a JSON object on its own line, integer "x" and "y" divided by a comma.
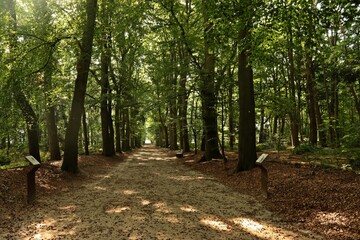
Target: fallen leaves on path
{"x": 323, "y": 200}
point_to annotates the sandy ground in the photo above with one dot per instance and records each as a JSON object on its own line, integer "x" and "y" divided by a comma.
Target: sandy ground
{"x": 149, "y": 196}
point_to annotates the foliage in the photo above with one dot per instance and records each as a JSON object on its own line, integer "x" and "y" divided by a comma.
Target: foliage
{"x": 351, "y": 139}
{"x": 262, "y": 146}
{"x": 355, "y": 161}
{"x": 156, "y": 43}
{"x": 304, "y": 148}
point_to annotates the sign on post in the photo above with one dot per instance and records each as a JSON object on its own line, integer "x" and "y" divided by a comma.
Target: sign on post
{"x": 31, "y": 189}
{"x": 264, "y": 174}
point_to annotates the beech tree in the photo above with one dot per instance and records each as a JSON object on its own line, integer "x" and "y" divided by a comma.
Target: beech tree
{"x": 15, "y": 85}
{"x": 169, "y": 70}
{"x": 70, "y": 162}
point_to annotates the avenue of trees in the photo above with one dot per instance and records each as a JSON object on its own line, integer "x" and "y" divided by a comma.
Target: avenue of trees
{"x": 95, "y": 75}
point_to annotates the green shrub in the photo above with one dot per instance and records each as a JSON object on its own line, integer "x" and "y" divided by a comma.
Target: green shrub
{"x": 262, "y": 146}
{"x": 355, "y": 161}
{"x": 4, "y": 160}
{"x": 304, "y": 148}
{"x": 351, "y": 139}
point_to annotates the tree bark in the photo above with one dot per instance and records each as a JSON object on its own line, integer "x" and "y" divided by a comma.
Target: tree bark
{"x": 247, "y": 132}
{"x": 53, "y": 137}
{"x": 86, "y": 134}
{"x": 355, "y": 97}
{"x": 207, "y": 91}
{"x": 333, "y": 103}
{"x": 231, "y": 111}
{"x": 310, "y": 85}
{"x": 70, "y": 162}
{"x": 19, "y": 96}
{"x": 126, "y": 146}
{"x": 108, "y": 148}
{"x": 173, "y": 107}
{"x": 294, "y": 115}
{"x": 183, "y": 98}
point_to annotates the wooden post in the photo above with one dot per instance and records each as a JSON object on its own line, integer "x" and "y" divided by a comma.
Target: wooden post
{"x": 31, "y": 187}
{"x": 180, "y": 154}
{"x": 264, "y": 174}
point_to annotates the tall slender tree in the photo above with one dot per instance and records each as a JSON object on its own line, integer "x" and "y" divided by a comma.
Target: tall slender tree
{"x": 247, "y": 132}
{"x": 15, "y": 84}
{"x": 70, "y": 162}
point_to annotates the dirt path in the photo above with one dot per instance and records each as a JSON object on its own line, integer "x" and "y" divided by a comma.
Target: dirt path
{"x": 150, "y": 196}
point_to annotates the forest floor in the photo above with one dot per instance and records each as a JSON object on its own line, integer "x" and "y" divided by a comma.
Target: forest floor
{"x": 149, "y": 194}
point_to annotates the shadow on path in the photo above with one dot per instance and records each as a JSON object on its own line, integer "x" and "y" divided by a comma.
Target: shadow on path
{"x": 150, "y": 196}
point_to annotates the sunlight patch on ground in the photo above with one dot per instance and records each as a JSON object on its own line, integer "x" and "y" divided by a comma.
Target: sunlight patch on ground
{"x": 188, "y": 209}
{"x": 43, "y": 236}
{"x": 100, "y": 188}
{"x": 262, "y": 231}
{"x": 188, "y": 178}
{"x": 331, "y": 218}
{"x": 145, "y": 202}
{"x": 216, "y": 224}
{"x": 162, "y": 207}
{"x": 248, "y": 224}
{"x": 70, "y": 208}
{"x": 47, "y": 229}
{"x": 171, "y": 219}
{"x": 129, "y": 192}
{"x": 117, "y": 209}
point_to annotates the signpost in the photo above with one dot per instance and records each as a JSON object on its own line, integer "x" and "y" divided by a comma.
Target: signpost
{"x": 264, "y": 174}
{"x": 31, "y": 189}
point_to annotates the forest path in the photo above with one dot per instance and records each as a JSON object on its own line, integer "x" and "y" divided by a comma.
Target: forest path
{"x": 150, "y": 196}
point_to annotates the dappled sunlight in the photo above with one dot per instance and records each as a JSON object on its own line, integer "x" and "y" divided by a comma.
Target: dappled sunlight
{"x": 188, "y": 209}
{"x": 162, "y": 207}
{"x": 117, "y": 209}
{"x": 170, "y": 219}
{"x": 49, "y": 229}
{"x": 248, "y": 224}
{"x": 100, "y": 188}
{"x": 129, "y": 192}
{"x": 263, "y": 230}
{"x": 161, "y": 201}
{"x": 216, "y": 224}
{"x": 188, "y": 178}
{"x": 145, "y": 202}
{"x": 331, "y": 218}
{"x": 70, "y": 208}
{"x": 43, "y": 236}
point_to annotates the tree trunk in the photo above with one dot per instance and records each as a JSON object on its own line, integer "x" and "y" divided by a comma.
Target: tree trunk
{"x": 118, "y": 147}
{"x": 19, "y": 96}
{"x": 173, "y": 111}
{"x": 108, "y": 148}
{"x": 310, "y": 85}
{"x": 333, "y": 100}
{"x": 43, "y": 18}
{"x": 31, "y": 123}
{"x": 70, "y": 162}
{"x": 183, "y": 98}
{"x": 126, "y": 146}
{"x": 294, "y": 115}
{"x": 231, "y": 112}
{"x": 262, "y": 136}
{"x": 247, "y": 132}
{"x": 86, "y": 134}
{"x": 356, "y": 98}
{"x": 53, "y": 137}
{"x": 207, "y": 91}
